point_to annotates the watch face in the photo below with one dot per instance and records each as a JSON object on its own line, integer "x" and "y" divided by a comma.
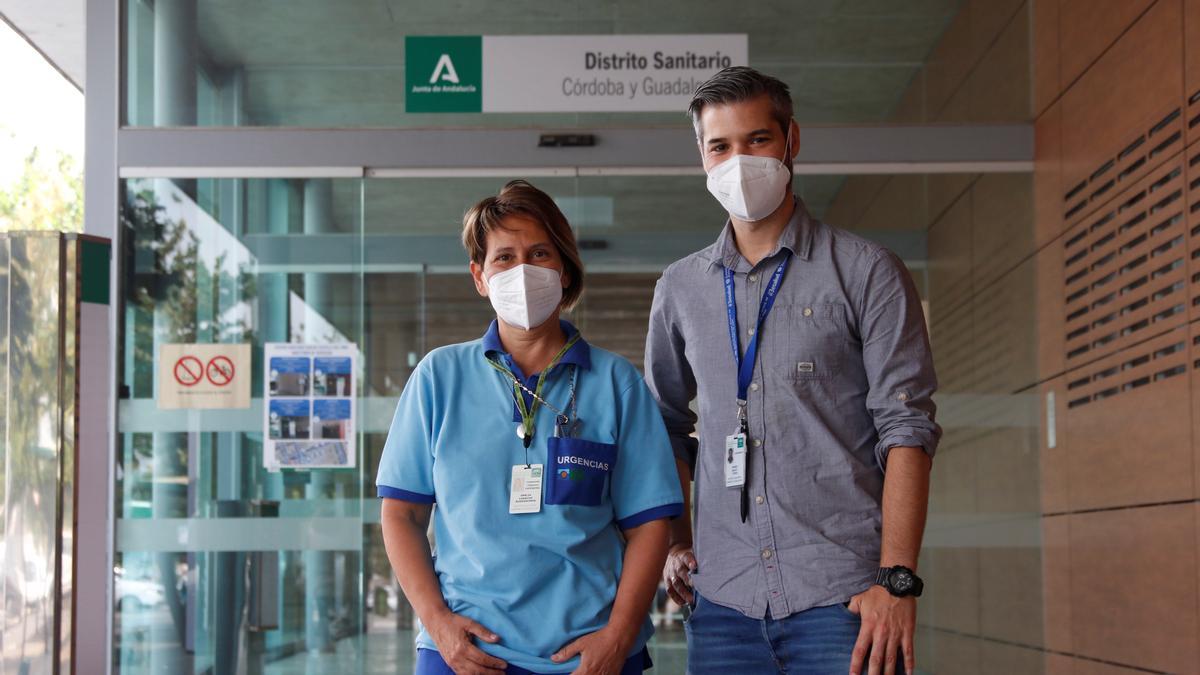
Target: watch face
{"x": 901, "y": 581}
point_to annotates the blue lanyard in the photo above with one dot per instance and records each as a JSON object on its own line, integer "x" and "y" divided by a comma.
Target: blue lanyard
{"x": 745, "y": 366}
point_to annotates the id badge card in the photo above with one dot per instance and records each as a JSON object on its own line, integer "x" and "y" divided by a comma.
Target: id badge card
{"x": 735, "y": 460}
{"x": 526, "y": 494}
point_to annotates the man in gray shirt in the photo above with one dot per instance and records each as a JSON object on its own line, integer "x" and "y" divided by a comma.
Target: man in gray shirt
{"x": 805, "y": 350}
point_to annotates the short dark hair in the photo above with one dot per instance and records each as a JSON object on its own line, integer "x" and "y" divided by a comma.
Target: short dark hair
{"x": 741, "y": 83}
{"x": 521, "y": 198}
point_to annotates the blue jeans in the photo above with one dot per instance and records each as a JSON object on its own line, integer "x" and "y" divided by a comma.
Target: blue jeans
{"x": 818, "y": 641}
{"x": 429, "y": 662}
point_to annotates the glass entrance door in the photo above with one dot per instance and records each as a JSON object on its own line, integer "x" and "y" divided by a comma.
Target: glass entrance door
{"x": 224, "y": 565}
{"x": 227, "y": 566}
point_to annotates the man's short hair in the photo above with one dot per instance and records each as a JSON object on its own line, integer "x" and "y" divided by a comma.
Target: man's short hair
{"x": 741, "y": 83}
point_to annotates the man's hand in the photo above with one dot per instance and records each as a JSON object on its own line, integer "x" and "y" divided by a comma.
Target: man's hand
{"x": 601, "y": 653}
{"x": 887, "y": 628}
{"x": 452, "y": 635}
{"x": 677, "y": 573}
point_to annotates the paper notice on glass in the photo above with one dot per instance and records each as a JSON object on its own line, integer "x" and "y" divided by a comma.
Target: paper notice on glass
{"x": 203, "y": 376}
{"x": 309, "y": 405}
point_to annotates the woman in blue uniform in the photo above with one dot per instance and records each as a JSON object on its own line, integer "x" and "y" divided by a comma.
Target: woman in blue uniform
{"x": 549, "y": 464}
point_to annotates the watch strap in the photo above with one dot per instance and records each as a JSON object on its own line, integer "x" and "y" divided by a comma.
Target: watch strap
{"x": 881, "y": 577}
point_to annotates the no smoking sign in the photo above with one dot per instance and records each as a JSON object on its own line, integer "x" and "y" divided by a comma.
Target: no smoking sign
{"x": 188, "y": 371}
{"x": 204, "y": 376}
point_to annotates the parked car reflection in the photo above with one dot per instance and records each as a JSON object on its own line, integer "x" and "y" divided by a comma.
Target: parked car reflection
{"x": 136, "y": 592}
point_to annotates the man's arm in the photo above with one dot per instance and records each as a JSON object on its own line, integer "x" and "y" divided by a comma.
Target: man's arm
{"x": 672, "y": 383}
{"x": 669, "y": 377}
{"x": 905, "y": 504}
{"x": 681, "y": 561}
{"x": 888, "y": 622}
{"x": 901, "y": 380}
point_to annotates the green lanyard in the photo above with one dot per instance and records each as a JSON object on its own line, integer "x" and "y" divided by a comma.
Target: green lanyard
{"x": 528, "y": 412}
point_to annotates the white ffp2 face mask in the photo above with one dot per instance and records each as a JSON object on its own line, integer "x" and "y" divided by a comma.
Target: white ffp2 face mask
{"x": 750, "y": 187}
{"x": 526, "y": 295}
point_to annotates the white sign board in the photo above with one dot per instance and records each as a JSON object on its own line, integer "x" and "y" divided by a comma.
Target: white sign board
{"x": 309, "y": 405}
{"x": 564, "y": 73}
{"x": 203, "y": 376}
{"x": 602, "y": 73}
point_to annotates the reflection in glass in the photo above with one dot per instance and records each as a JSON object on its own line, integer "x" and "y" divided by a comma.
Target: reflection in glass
{"x": 379, "y": 263}
{"x": 196, "y": 588}
{"x": 37, "y": 384}
{"x": 320, "y": 64}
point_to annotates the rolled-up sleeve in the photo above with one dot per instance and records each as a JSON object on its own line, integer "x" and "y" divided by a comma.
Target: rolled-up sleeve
{"x": 669, "y": 376}
{"x": 897, "y": 358}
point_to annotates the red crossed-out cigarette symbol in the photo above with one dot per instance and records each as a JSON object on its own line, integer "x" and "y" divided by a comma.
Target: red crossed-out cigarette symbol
{"x": 188, "y": 370}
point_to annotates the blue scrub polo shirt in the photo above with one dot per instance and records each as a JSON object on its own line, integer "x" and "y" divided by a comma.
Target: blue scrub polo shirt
{"x": 538, "y": 580}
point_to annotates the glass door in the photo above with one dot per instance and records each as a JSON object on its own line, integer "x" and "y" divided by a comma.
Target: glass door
{"x": 227, "y": 565}
{"x": 224, "y": 565}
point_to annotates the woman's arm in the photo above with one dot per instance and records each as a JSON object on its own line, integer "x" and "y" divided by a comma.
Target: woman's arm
{"x": 645, "y": 552}
{"x": 404, "y": 526}
{"x": 607, "y": 649}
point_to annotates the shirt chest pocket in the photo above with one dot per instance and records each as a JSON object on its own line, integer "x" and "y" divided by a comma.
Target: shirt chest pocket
{"x": 580, "y": 471}
{"x": 813, "y": 342}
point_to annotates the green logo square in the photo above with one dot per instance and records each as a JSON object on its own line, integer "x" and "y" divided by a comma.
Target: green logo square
{"x": 443, "y": 73}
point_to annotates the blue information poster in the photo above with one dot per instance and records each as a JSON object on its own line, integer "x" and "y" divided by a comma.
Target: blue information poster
{"x": 309, "y": 411}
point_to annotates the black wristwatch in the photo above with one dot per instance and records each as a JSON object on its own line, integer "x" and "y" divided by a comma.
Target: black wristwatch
{"x": 900, "y": 581}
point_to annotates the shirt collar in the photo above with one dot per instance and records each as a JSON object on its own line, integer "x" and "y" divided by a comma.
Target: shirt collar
{"x": 580, "y": 353}
{"x": 796, "y": 237}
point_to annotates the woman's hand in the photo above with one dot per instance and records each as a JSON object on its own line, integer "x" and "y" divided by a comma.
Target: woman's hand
{"x": 452, "y": 634}
{"x": 601, "y": 653}
{"x": 404, "y": 525}
{"x": 605, "y": 651}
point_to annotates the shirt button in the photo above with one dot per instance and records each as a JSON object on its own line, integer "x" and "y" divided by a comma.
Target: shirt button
{"x": 759, "y": 499}
{"x": 757, "y": 442}
{"x": 766, "y": 553}
{"x": 902, "y": 396}
{"x": 754, "y": 386}
{"x": 750, "y": 331}
{"x": 753, "y": 277}
{"x": 808, "y": 311}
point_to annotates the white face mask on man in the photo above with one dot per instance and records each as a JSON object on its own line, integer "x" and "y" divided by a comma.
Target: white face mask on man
{"x": 751, "y": 187}
{"x": 526, "y": 295}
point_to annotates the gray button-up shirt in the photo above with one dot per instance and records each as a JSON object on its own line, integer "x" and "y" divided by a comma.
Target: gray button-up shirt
{"x": 844, "y": 373}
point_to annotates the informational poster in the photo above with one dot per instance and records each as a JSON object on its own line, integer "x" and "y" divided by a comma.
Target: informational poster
{"x": 309, "y": 405}
{"x": 204, "y": 376}
{"x": 563, "y": 73}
